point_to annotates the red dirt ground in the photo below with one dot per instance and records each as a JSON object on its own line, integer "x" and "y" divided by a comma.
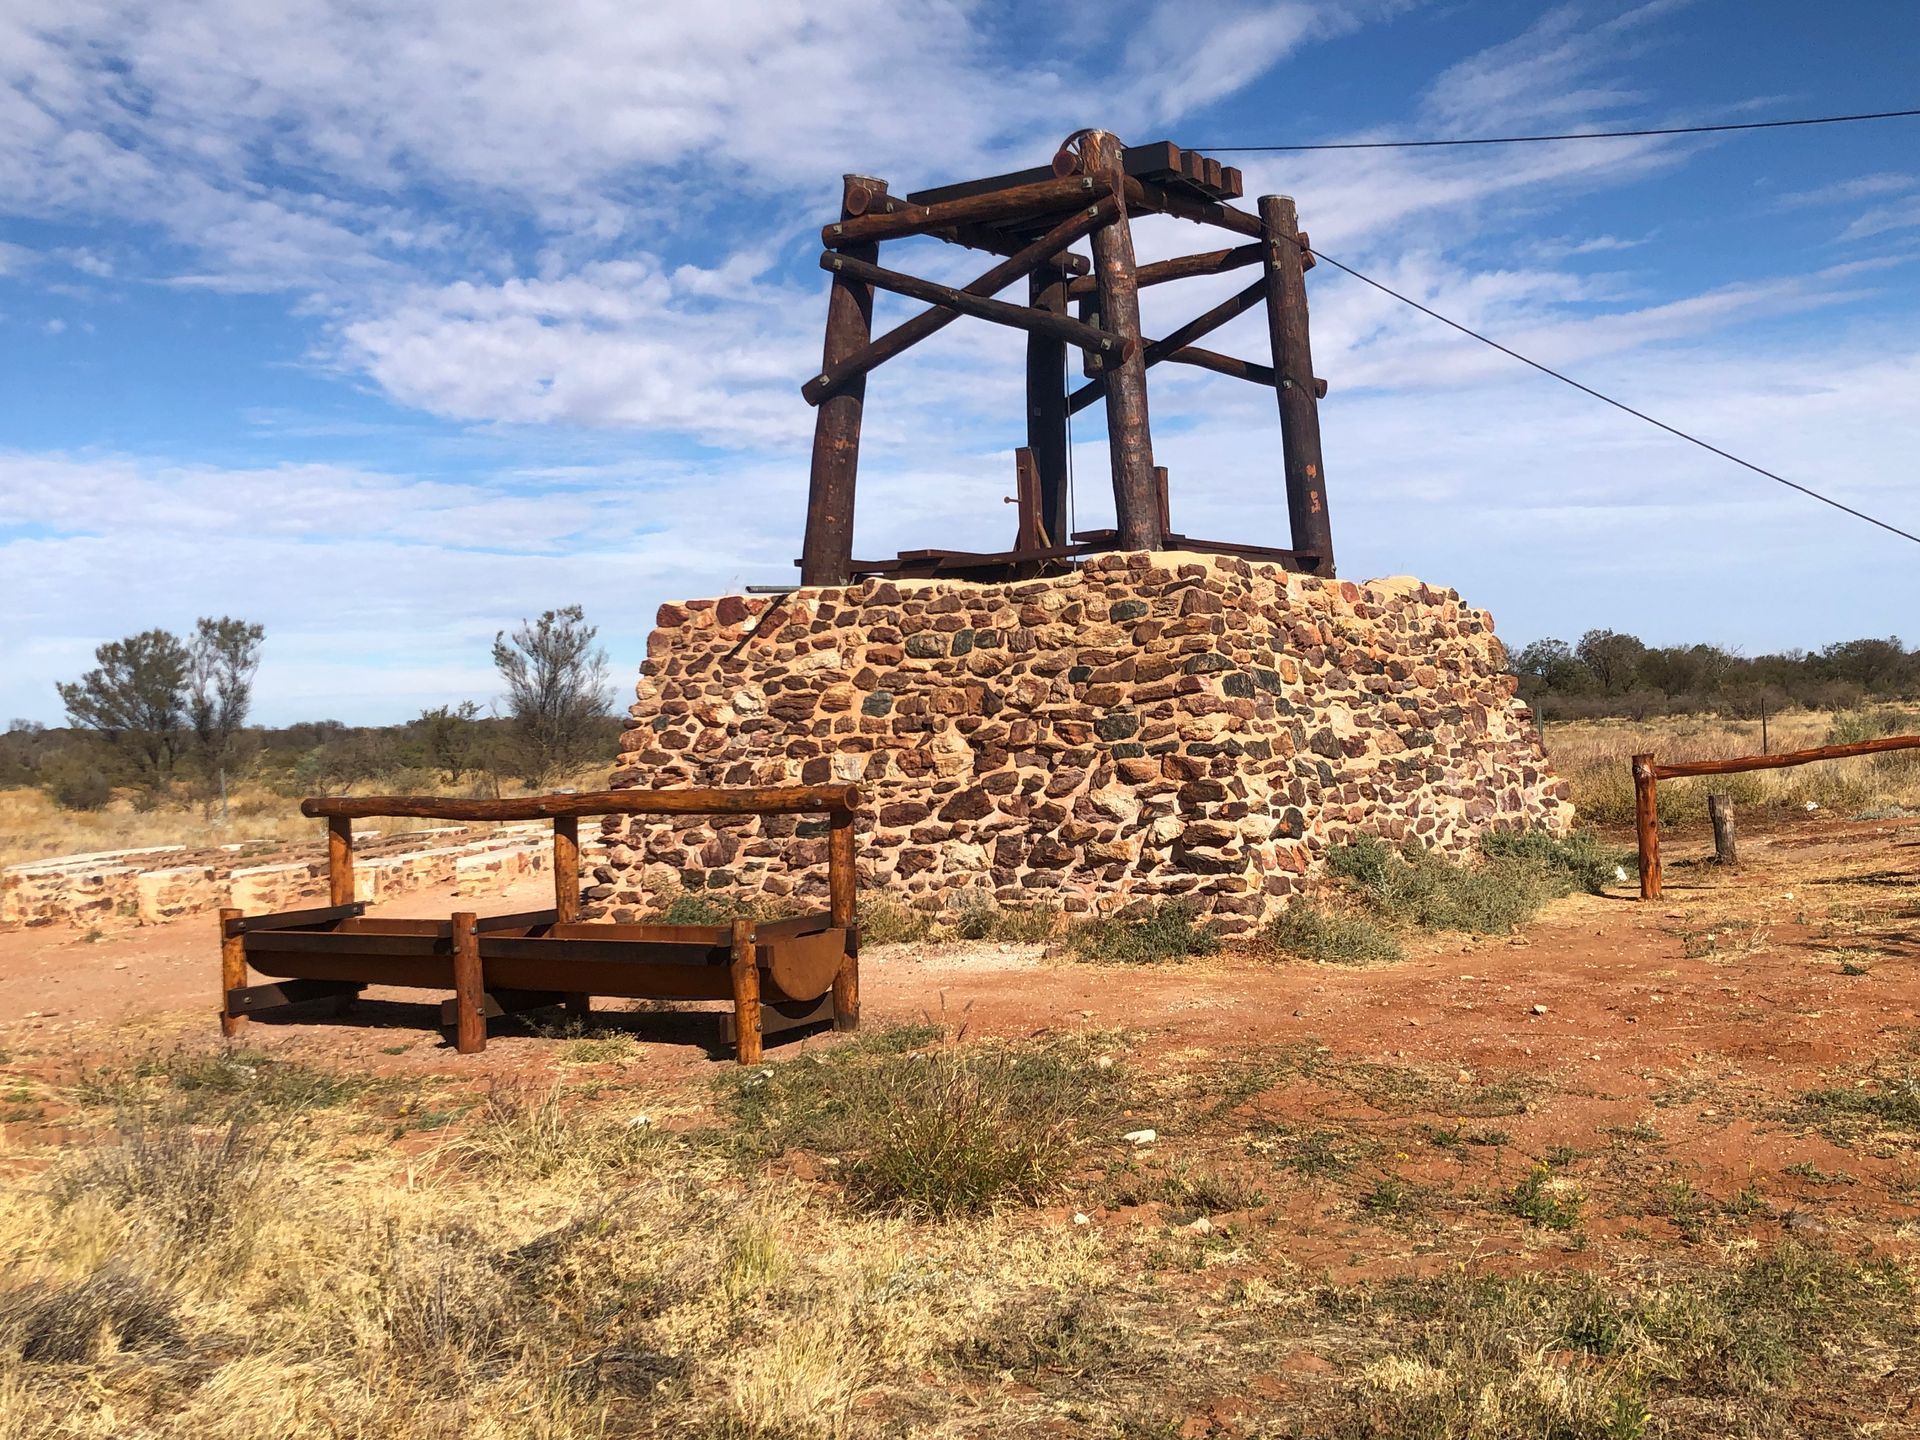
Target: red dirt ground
{"x": 1694, "y": 1023}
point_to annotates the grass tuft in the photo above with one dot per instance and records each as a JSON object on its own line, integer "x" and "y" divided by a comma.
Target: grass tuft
{"x": 931, "y": 1129}
{"x": 1158, "y": 934}
{"x": 86, "y": 1321}
{"x": 1315, "y": 932}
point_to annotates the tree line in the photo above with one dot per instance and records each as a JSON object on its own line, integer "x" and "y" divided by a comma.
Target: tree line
{"x": 169, "y": 719}
{"x": 1611, "y": 673}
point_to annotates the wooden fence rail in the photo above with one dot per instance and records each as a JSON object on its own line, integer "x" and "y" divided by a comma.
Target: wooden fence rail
{"x": 1648, "y": 773}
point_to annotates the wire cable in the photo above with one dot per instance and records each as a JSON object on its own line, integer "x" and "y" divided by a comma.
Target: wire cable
{"x": 1609, "y": 400}
{"x": 1572, "y": 135}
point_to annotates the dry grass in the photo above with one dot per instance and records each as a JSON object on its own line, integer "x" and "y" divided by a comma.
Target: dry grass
{"x": 1595, "y": 756}
{"x": 33, "y": 828}
{"x": 554, "y": 1270}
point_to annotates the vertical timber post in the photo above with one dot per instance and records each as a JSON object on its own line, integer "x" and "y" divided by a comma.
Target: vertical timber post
{"x": 1047, "y": 403}
{"x": 233, "y": 970}
{"x": 469, "y": 986}
{"x": 826, "y": 552}
{"x": 566, "y": 892}
{"x": 1726, "y": 841}
{"x": 1646, "y": 820}
{"x": 744, "y": 970}
{"x": 1293, "y": 380}
{"x": 841, "y": 881}
{"x": 339, "y": 860}
{"x": 1129, "y": 437}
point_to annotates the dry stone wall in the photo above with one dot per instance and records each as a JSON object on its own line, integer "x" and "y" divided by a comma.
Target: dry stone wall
{"x": 1152, "y": 725}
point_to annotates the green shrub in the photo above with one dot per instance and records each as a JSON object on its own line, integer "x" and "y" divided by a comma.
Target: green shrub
{"x": 688, "y": 908}
{"x": 1582, "y": 858}
{"x": 1168, "y": 931}
{"x": 78, "y": 787}
{"x": 884, "y": 923}
{"x": 1313, "y": 932}
{"x": 1016, "y": 924}
{"x": 929, "y": 1128}
{"x": 1519, "y": 871}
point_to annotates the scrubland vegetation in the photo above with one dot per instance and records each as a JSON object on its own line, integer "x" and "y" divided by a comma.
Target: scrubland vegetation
{"x": 885, "y": 1237}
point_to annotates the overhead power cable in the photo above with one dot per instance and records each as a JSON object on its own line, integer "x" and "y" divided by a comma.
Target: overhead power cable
{"x": 1616, "y": 404}
{"x": 1571, "y": 135}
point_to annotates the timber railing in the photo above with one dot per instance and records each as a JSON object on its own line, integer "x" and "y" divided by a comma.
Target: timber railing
{"x": 1648, "y": 773}
{"x": 779, "y": 974}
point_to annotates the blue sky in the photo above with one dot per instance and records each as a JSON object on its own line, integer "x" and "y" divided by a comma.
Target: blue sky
{"x": 388, "y": 325}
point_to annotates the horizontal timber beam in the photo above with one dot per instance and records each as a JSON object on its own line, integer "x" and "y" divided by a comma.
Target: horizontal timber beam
{"x": 1159, "y": 272}
{"x": 999, "y": 205}
{"x": 1158, "y": 350}
{"x": 904, "y": 336}
{"x": 1019, "y": 317}
{"x": 1201, "y": 212}
{"x": 764, "y": 800}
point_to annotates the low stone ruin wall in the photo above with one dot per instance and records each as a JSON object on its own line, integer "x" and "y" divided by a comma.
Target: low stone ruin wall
{"x": 119, "y": 888}
{"x": 1152, "y": 725}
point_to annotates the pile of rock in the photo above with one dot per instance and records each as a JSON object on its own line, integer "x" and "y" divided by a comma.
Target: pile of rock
{"x": 1151, "y": 725}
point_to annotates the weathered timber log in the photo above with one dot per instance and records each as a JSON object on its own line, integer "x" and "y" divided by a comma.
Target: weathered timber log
{"x": 566, "y": 890}
{"x": 745, "y": 975}
{"x": 1158, "y": 350}
{"x": 1129, "y": 431}
{"x": 827, "y": 546}
{"x": 1031, "y": 259}
{"x": 841, "y": 881}
{"x": 566, "y": 869}
{"x": 1143, "y": 195}
{"x": 762, "y": 800}
{"x": 1726, "y": 844}
{"x": 1017, "y": 202}
{"x": 1047, "y": 406}
{"x": 233, "y": 970}
{"x": 1230, "y": 365}
{"x": 1294, "y": 387}
{"x": 1019, "y": 317}
{"x": 1646, "y": 824}
{"x": 1159, "y": 272}
{"x": 1029, "y": 530}
{"x": 339, "y": 859}
{"x": 1786, "y": 757}
{"x": 469, "y": 988}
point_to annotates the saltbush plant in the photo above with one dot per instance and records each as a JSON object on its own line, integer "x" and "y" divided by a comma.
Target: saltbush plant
{"x": 1380, "y": 889}
{"x": 1170, "y": 930}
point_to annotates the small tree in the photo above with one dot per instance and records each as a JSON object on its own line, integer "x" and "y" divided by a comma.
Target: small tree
{"x": 556, "y": 690}
{"x": 135, "y": 699}
{"x": 1613, "y": 658}
{"x": 450, "y": 735}
{"x": 223, "y": 659}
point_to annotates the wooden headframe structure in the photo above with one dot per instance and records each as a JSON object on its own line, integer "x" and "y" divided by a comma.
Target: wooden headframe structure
{"x": 1032, "y": 218}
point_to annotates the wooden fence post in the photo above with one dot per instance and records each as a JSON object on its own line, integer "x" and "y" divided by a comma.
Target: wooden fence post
{"x": 1726, "y": 845}
{"x": 233, "y": 970}
{"x": 566, "y": 892}
{"x": 1293, "y": 380}
{"x": 1129, "y": 435}
{"x": 744, "y": 970}
{"x": 469, "y": 986}
{"x": 826, "y": 551}
{"x": 841, "y": 881}
{"x": 339, "y": 860}
{"x": 1646, "y": 817}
